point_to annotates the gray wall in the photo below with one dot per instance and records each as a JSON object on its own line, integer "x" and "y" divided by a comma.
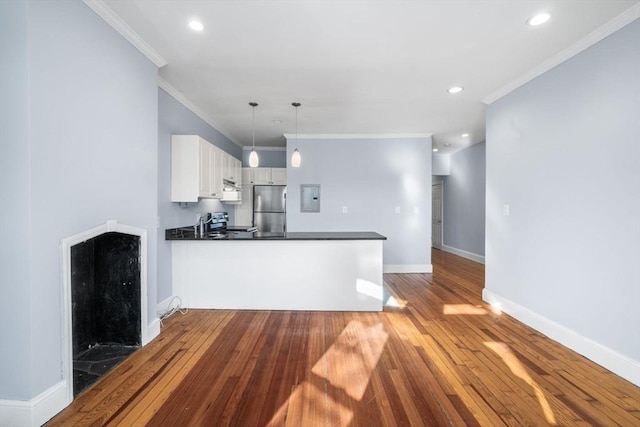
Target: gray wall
{"x": 84, "y": 150}
{"x": 15, "y": 203}
{"x": 441, "y": 164}
{"x": 175, "y": 118}
{"x": 268, "y": 158}
{"x": 564, "y": 152}
{"x": 371, "y": 177}
{"x": 464, "y": 200}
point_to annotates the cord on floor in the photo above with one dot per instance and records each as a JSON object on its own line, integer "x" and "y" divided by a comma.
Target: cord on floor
{"x": 172, "y": 308}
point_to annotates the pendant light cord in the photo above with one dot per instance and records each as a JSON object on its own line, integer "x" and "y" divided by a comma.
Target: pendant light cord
{"x": 253, "y": 156}
{"x": 295, "y": 157}
{"x": 253, "y": 124}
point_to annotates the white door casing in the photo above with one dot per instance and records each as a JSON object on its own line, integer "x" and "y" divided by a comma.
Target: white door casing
{"x": 436, "y": 215}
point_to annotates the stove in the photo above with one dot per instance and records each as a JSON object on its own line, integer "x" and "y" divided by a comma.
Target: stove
{"x": 218, "y": 223}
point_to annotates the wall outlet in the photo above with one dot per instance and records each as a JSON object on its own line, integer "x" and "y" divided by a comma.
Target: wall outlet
{"x": 397, "y": 209}
{"x": 345, "y": 210}
{"x": 505, "y": 210}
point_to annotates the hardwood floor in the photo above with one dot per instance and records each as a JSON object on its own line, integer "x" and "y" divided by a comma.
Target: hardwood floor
{"x": 442, "y": 357}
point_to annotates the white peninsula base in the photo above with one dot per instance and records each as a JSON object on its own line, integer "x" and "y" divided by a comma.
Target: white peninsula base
{"x": 327, "y": 275}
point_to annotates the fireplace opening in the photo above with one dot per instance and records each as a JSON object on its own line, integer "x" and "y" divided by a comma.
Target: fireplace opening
{"x": 105, "y": 305}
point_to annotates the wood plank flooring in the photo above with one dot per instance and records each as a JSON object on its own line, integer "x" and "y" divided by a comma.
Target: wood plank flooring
{"x": 441, "y": 357}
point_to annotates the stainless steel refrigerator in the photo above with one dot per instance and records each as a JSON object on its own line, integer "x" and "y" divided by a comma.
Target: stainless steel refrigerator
{"x": 269, "y": 208}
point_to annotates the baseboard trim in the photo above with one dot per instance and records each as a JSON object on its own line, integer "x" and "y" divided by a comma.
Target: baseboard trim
{"x": 407, "y": 268}
{"x": 46, "y": 405}
{"x": 163, "y": 305}
{"x": 37, "y": 411}
{"x": 615, "y": 362}
{"x": 153, "y": 330}
{"x": 463, "y": 253}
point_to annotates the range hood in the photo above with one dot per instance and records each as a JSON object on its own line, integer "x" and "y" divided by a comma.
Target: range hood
{"x": 227, "y": 184}
{"x": 231, "y": 193}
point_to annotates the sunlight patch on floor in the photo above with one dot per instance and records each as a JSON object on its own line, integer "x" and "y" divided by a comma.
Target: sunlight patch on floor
{"x": 516, "y": 367}
{"x": 345, "y": 367}
{"x": 394, "y": 302}
{"x": 463, "y": 309}
{"x": 350, "y": 360}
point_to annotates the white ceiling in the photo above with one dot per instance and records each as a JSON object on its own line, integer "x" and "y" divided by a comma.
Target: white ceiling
{"x": 357, "y": 67}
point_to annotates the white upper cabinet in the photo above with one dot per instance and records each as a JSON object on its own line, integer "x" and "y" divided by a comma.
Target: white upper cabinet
{"x": 232, "y": 169}
{"x": 247, "y": 176}
{"x": 206, "y": 169}
{"x": 198, "y": 168}
{"x": 216, "y": 173}
{"x": 264, "y": 176}
{"x": 279, "y": 176}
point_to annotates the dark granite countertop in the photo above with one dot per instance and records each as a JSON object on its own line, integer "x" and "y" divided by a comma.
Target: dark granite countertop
{"x": 187, "y": 233}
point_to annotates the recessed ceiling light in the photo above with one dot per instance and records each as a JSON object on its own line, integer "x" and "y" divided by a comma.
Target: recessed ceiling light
{"x": 196, "y": 25}
{"x": 455, "y": 89}
{"x": 464, "y": 135}
{"x": 538, "y": 19}
{"x": 435, "y": 150}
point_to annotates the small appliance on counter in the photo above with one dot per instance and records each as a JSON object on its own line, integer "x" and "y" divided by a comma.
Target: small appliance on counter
{"x": 218, "y": 223}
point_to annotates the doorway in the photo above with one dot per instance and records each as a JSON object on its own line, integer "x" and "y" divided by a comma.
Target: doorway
{"x": 436, "y": 215}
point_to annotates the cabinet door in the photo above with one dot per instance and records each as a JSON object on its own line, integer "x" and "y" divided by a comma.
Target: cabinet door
{"x": 279, "y": 176}
{"x": 247, "y": 176}
{"x": 262, "y": 176}
{"x": 237, "y": 171}
{"x": 185, "y": 168}
{"x": 229, "y": 165}
{"x": 205, "y": 164}
{"x": 217, "y": 168}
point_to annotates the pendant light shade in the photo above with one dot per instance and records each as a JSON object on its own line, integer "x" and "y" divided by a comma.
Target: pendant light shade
{"x": 253, "y": 159}
{"x": 253, "y": 156}
{"x": 295, "y": 157}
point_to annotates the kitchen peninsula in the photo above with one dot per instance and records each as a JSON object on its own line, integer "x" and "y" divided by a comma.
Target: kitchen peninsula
{"x": 325, "y": 271}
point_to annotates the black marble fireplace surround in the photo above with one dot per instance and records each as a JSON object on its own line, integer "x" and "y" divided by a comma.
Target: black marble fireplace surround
{"x": 105, "y": 300}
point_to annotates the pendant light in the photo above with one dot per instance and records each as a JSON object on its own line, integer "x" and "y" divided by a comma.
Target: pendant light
{"x": 253, "y": 156}
{"x": 295, "y": 157}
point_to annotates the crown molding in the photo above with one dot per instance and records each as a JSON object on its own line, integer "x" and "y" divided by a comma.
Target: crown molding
{"x": 261, "y": 148}
{"x": 179, "y": 96}
{"x": 358, "y": 135}
{"x": 110, "y": 17}
{"x": 592, "y": 38}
